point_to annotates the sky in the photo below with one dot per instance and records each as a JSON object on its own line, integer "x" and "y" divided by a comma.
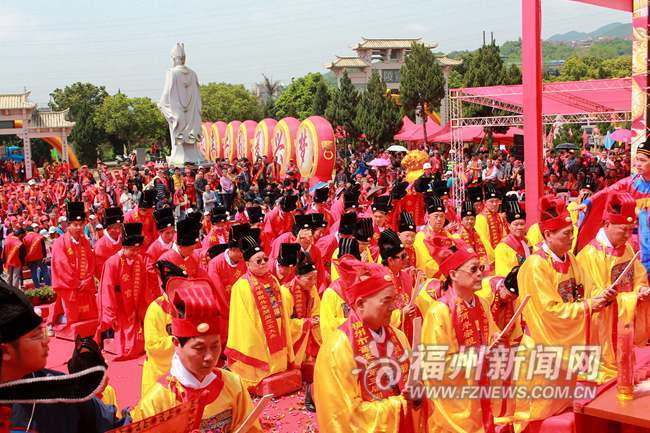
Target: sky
{"x": 125, "y": 45}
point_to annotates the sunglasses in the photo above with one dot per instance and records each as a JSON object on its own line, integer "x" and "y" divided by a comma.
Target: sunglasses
{"x": 474, "y": 269}
{"x": 402, "y": 256}
{"x": 261, "y": 260}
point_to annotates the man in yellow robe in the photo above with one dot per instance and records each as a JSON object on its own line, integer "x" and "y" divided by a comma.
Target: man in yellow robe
{"x": 558, "y": 312}
{"x": 348, "y": 392}
{"x": 431, "y": 241}
{"x": 304, "y": 304}
{"x": 490, "y": 225}
{"x": 513, "y": 248}
{"x": 460, "y": 321}
{"x": 334, "y": 309}
{"x": 259, "y": 338}
{"x": 467, "y": 232}
{"x": 158, "y": 344}
{"x": 193, "y": 374}
{"x": 604, "y": 259}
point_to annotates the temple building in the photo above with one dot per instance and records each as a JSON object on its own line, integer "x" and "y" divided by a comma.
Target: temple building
{"x": 19, "y": 116}
{"x": 386, "y": 56}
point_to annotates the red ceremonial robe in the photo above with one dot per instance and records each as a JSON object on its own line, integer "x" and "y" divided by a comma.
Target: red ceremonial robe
{"x": 157, "y": 249}
{"x": 105, "y": 247}
{"x": 148, "y": 224}
{"x": 218, "y": 235}
{"x": 73, "y": 264}
{"x": 223, "y": 274}
{"x": 124, "y": 295}
{"x": 276, "y": 222}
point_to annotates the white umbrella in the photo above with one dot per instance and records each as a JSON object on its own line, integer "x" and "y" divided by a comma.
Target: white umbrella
{"x": 397, "y": 148}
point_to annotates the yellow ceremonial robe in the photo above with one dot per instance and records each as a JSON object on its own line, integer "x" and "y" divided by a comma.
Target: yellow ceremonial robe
{"x": 109, "y": 397}
{"x": 451, "y": 414}
{"x": 534, "y": 235}
{"x": 249, "y": 355}
{"x": 366, "y": 256}
{"x": 482, "y": 227}
{"x": 299, "y": 336}
{"x": 556, "y": 315}
{"x": 333, "y": 313}
{"x": 338, "y": 395}
{"x": 505, "y": 258}
{"x": 423, "y": 259}
{"x": 426, "y": 295}
{"x": 603, "y": 268}
{"x": 224, "y": 414}
{"x": 158, "y": 344}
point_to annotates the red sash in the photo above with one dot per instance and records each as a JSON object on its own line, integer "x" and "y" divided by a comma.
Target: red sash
{"x": 131, "y": 286}
{"x": 495, "y": 227}
{"x": 360, "y": 339}
{"x": 205, "y": 395}
{"x": 471, "y": 238}
{"x": 302, "y": 302}
{"x": 472, "y": 330}
{"x": 81, "y": 263}
{"x": 274, "y": 338}
{"x": 516, "y": 245}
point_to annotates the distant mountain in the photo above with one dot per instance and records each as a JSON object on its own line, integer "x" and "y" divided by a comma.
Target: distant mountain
{"x": 613, "y": 30}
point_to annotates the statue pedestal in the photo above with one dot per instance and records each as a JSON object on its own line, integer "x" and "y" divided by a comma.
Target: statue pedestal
{"x": 184, "y": 153}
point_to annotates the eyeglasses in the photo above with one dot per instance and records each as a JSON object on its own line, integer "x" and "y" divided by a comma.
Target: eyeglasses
{"x": 261, "y": 260}
{"x": 474, "y": 269}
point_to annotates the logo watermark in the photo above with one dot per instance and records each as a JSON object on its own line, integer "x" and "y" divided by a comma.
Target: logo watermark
{"x": 501, "y": 373}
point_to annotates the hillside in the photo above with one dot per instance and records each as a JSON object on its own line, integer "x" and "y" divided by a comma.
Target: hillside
{"x": 611, "y": 31}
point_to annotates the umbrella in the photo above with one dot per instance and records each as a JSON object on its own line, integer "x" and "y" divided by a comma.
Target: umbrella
{"x": 397, "y": 148}
{"x": 379, "y": 162}
{"x": 623, "y": 135}
{"x": 319, "y": 185}
{"x": 567, "y": 146}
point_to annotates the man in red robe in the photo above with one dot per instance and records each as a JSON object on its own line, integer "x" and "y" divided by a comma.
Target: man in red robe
{"x": 319, "y": 205}
{"x": 406, "y": 229}
{"x": 73, "y": 265}
{"x": 143, "y": 213}
{"x": 279, "y": 220}
{"x": 111, "y": 242}
{"x": 328, "y": 244}
{"x": 124, "y": 295}
{"x": 284, "y": 266}
{"x": 218, "y": 234}
{"x": 166, "y": 233}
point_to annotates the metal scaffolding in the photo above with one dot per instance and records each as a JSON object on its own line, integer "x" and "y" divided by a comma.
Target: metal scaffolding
{"x": 588, "y": 112}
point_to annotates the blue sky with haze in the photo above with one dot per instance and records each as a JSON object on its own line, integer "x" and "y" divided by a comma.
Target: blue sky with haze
{"x": 126, "y": 44}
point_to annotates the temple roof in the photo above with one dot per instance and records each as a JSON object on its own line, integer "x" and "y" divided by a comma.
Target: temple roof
{"x": 50, "y": 119}
{"x": 446, "y": 61}
{"x": 367, "y": 43}
{"x": 348, "y": 62}
{"x": 15, "y": 101}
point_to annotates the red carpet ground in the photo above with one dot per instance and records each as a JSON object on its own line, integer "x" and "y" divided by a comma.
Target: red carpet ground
{"x": 283, "y": 415}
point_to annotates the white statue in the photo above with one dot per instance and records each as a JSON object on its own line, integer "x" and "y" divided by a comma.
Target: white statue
{"x": 180, "y": 103}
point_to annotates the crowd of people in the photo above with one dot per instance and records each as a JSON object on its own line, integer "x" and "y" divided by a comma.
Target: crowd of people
{"x": 235, "y": 280}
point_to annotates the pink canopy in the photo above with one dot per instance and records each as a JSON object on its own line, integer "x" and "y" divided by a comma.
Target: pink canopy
{"x": 623, "y": 5}
{"x": 407, "y": 124}
{"x": 566, "y": 97}
{"x": 476, "y": 134}
{"x": 415, "y": 134}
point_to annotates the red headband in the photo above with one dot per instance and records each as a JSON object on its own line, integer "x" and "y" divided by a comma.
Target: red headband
{"x": 456, "y": 260}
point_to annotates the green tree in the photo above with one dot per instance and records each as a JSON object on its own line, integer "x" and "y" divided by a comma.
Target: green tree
{"x": 83, "y": 100}
{"x": 228, "y": 102}
{"x": 342, "y": 109}
{"x": 299, "y": 98}
{"x": 377, "y": 115}
{"x": 485, "y": 67}
{"x": 131, "y": 122}
{"x": 321, "y": 99}
{"x": 422, "y": 82}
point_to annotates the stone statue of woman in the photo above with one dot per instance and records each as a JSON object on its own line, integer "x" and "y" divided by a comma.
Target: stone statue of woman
{"x": 180, "y": 103}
